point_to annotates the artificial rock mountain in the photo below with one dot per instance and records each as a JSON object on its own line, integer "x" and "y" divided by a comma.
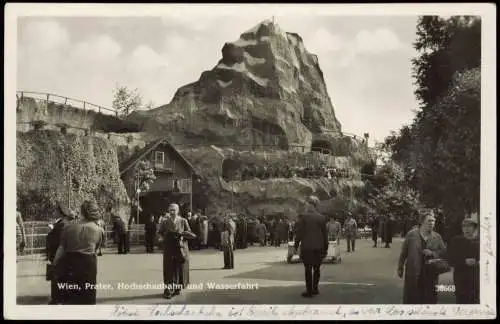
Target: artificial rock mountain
{"x": 267, "y": 89}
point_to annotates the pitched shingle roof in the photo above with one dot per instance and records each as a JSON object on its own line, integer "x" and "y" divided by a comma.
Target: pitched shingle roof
{"x": 138, "y": 156}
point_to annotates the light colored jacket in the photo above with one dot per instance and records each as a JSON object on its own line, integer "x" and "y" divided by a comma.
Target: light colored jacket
{"x": 227, "y": 236}
{"x": 350, "y": 227}
{"x": 334, "y": 229}
{"x": 411, "y": 258}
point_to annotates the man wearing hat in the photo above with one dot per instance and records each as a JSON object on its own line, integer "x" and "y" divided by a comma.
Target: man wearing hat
{"x": 312, "y": 236}
{"x": 351, "y": 230}
{"x": 65, "y": 216}
{"x": 20, "y": 233}
{"x": 120, "y": 232}
{"x": 464, "y": 258}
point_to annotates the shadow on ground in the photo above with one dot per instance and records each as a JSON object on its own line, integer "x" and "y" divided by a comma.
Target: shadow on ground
{"x": 329, "y": 294}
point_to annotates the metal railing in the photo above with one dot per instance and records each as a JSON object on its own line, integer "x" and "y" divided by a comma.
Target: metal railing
{"x": 36, "y": 236}
{"x": 54, "y": 98}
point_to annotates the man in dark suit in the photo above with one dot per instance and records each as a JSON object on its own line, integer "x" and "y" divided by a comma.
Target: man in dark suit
{"x": 195, "y": 225}
{"x": 120, "y": 232}
{"x": 150, "y": 230}
{"x": 66, "y": 216}
{"x": 312, "y": 236}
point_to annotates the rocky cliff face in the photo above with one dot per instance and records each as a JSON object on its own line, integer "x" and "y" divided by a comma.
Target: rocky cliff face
{"x": 70, "y": 168}
{"x": 267, "y": 89}
{"x": 256, "y": 197}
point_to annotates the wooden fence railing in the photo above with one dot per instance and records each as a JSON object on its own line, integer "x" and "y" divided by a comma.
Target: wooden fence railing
{"x": 36, "y": 236}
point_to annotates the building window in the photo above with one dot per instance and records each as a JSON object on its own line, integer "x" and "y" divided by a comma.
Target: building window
{"x": 159, "y": 158}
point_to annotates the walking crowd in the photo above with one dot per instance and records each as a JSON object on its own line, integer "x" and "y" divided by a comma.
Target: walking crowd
{"x": 76, "y": 239}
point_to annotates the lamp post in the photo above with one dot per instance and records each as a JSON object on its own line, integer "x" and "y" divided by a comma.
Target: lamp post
{"x": 191, "y": 192}
{"x": 232, "y": 195}
{"x": 137, "y": 212}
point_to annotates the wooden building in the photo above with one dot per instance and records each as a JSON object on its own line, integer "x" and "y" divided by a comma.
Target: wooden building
{"x": 174, "y": 180}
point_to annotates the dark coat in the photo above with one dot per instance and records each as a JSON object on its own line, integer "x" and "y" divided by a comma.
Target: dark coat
{"x": 54, "y": 237}
{"x": 388, "y": 230}
{"x": 241, "y": 233}
{"x": 119, "y": 227}
{"x": 150, "y": 231}
{"x": 466, "y": 278}
{"x": 311, "y": 232}
{"x": 374, "y": 225}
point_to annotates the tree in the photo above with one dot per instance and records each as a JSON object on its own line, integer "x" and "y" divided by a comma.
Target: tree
{"x": 445, "y": 47}
{"x": 150, "y": 105}
{"x": 144, "y": 175}
{"x": 440, "y": 150}
{"x": 390, "y": 194}
{"x": 125, "y": 100}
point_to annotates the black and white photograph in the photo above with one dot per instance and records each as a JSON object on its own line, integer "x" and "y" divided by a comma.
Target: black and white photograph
{"x": 250, "y": 161}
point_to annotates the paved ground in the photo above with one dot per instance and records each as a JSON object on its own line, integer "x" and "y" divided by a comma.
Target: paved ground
{"x": 367, "y": 276}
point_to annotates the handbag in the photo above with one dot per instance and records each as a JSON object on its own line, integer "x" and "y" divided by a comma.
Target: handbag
{"x": 439, "y": 266}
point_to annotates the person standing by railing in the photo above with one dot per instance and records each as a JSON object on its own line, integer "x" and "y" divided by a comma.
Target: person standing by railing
{"x": 101, "y": 224}
{"x": 150, "y": 234}
{"x": 20, "y": 233}
{"x": 120, "y": 232}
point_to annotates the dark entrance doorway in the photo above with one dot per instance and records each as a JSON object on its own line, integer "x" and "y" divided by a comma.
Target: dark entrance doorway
{"x": 156, "y": 203}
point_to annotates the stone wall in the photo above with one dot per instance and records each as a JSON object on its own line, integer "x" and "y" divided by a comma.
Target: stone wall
{"x": 70, "y": 168}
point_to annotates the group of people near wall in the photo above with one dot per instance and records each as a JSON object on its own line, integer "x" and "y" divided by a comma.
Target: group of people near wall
{"x": 271, "y": 230}
{"x": 74, "y": 241}
{"x": 249, "y": 172}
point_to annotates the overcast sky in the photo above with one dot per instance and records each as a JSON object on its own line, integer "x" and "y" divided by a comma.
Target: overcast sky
{"x": 365, "y": 60}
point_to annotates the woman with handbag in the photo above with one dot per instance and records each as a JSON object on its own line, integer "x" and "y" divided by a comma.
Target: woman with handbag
{"x": 420, "y": 261}
{"x": 75, "y": 261}
{"x": 464, "y": 258}
{"x": 175, "y": 230}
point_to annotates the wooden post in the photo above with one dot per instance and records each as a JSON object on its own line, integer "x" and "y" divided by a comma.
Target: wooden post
{"x": 84, "y": 105}
{"x": 32, "y": 236}
{"x": 232, "y": 196}
{"x": 69, "y": 189}
{"x": 191, "y": 192}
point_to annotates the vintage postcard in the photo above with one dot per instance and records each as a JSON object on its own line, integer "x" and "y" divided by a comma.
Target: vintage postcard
{"x": 250, "y": 161}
